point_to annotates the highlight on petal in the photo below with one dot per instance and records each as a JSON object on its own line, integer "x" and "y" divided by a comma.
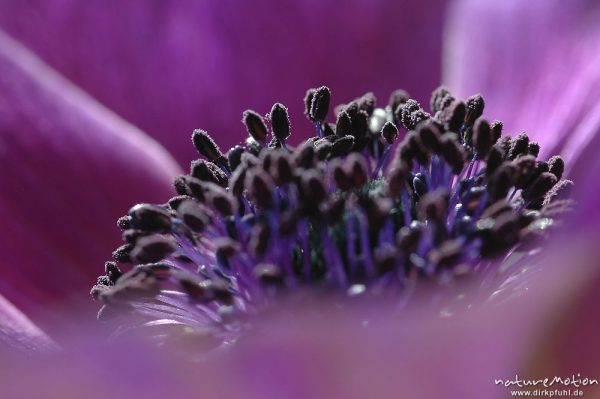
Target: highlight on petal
{"x": 18, "y": 333}
{"x": 69, "y": 167}
{"x": 171, "y": 67}
{"x": 537, "y": 62}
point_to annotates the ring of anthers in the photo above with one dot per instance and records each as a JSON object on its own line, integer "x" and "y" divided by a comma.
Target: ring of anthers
{"x": 373, "y": 204}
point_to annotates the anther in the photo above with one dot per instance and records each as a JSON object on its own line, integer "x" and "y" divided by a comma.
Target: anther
{"x": 441, "y": 98}
{"x": 304, "y": 156}
{"x": 193, "y": 215}
{"x": 482, "y": 137}
{"x": 452, "y": 153}
{"x": 504, "y": 144}
{"x": 225, "y": 248}
{"x": 453, "y": 117}
{"x": 342, "y": 146}
{"x": 501, "y": 181}
{"x": 343, "y": 125}
{"x": 525, "y": 169}
{"x": 518, "y": 146}
{"x": 280, "y": 122}
{"x": 397, "y": 98}
{"x": 320, "y": 104}
{"x": 533, "y": 149}
{"x": 132, "y": 235}
{"x": 195, "y": 188}
{"x": 366, "y": 103}
{"x": 124, "y": 222}
{"x": 313, "y": 189}
{"x": 180, "y": 185}
{"x": 206, "y": 146}
{"x": 539, "y": 187}
{"x": 389, "y": 132}
{"x": 419, "y": 185}
{"x": 411, "y": 114}
{"x": 177, "y": 200}
{"x": 342, "y": 180}
{"x": 113, "y": 272}
{"x": 360, "y": 124}
{"x": 153, "y": 248}
{"x": 234, "y": 156}
{"x": 496, "y": 127}
{"x": 150, "y": 218}
{"x": 417, "y": 149}
{"x": 429, "y": 136}
{"x": 308, "y": 99}
{"x": 475, "y": 106}
{"x": 255, "y": 125}
{"x": 122, "y": 254}
{"x": 208, "y": 172}
{"x": 221, "y": 200}
{"x": 322, "y": 149}
{"x": 282, "y": 172}
{"x": 260, "y": 188}
{"x": 556, "y": 166}
{"x": 356, "y": 168}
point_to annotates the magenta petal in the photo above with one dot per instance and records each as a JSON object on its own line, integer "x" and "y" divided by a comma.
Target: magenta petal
{"x": 299, "y": 355}
{"x": 69, "y": 168}
{"x": 17, "y": 333}
{"x": 536, "y": 62}
{"x": 170, "y": 67}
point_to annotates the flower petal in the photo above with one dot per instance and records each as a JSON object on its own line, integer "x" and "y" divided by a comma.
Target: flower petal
{"x": 537, "y": 64}
{"x": 17, "y": 333}
{"x": 69, "y": 168}
{"x": 304, "y": 353}
{"x": 170, "y": 67}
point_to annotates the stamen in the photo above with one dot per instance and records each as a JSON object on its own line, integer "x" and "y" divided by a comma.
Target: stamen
{"x": 255, "y": 125}
{"x": 280, "y": 122}
{"x": 206, "y": 146}
{"x": 320, "y": 104}
{"x": 332, "y": 214}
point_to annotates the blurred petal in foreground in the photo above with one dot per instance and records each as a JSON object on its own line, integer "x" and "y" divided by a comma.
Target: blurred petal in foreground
{"x": 324, "y": 352}
{"x": 300, "y": 354}
{"x": 69, "y": 168}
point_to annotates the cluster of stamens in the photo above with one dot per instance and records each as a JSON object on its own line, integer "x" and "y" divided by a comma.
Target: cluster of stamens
{"x": 372, "y": 205}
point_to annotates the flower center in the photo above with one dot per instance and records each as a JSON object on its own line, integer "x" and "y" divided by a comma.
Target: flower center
{"x": 371, "y": 206}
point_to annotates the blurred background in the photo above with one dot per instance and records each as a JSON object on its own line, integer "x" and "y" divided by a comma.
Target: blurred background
{"x": 170, "y": 67}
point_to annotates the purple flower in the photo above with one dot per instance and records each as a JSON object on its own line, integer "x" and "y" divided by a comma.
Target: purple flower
{"x": 90, "y": 167}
